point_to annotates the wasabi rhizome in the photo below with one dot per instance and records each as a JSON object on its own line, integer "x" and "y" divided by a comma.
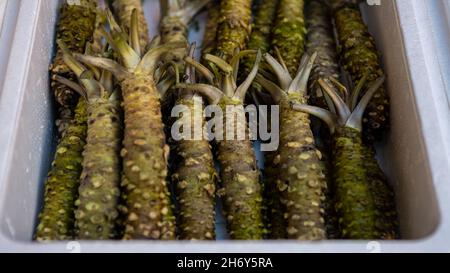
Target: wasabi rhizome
{"x": 149, "y": 138}
{"x": 56, "y": 220}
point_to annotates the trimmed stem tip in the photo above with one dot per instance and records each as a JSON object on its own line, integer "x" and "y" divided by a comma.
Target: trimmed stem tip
{"x": 355, "y": 120}
{"x": 243, "y": 88}
{"x": 343, "y": 117}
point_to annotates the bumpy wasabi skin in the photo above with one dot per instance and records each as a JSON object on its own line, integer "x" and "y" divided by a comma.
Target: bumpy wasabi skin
{"x": 384, "y": 197}
{"x": 75, "y": 28}
{"x": 240, "y": 178}
{"x": 234, "y": 26}
{"x": 99, "y": 189}
{"x": 212, "y": 24}
{"x": 363, "y": 200}
{"x": 301, "y": 178}
{"x": 360, "y": 57}
{"x": 145, "y": 162}
{"x": 96, "y": 212}
{"x": 123, "y": 10}
{"x": 260, "y": 36}
{"x": 174, "y": 26}
{"x": 194, "y": 174}
{"x": 240, "y": 181}
{"x": 289, "y": 33}
{"x": 275, "y": 209}
{"x": 354, "y": 201}
{"x": 146, "y": 195}
{"x": 369, "y": 212}
{"x": 195, "y": 177}
{"x": 174, "y": 29}
{"x": 301, "y": 174}
{"x": 320, "y": 39}
{"x": 56, "y": 220}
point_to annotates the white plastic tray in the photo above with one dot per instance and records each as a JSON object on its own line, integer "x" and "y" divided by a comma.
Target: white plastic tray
{"x": 415, "y": 155}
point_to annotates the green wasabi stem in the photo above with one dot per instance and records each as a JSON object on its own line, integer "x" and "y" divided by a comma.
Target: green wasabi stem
{"x": 337, "y": 4}
{"x": 289, "y": 33}
{"x": 96, "y": 214}
{"x": 194, "y": 174}
{"x": 384, "y": 197}
{"x": 99, "y": 192}
{"x": 174, "y": 29}
{"x": 275, "y": 208}
{"x": 234, "y": 27}
{"x": 242, "y": 193}
{"x": 56, "y": 220}
{"x": 174, "y": 26}
{"x": 210, "y": 38}
{"x": 360, "y": 214}
{"x": 356, "y": 211}
{"x": 75, "y": 28}
{"x": 360, "y": 57}
{"x": 303, "y": 190}
{"x": 320, "y": 39}
{"x": 195, "y": 177}
{"x": 301, "y": 179}
{"x": 260, "y": 36}
{"x": 123, "y": 9}
{"x": 148, "y": 207}
{"x": 331, "y": 219}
